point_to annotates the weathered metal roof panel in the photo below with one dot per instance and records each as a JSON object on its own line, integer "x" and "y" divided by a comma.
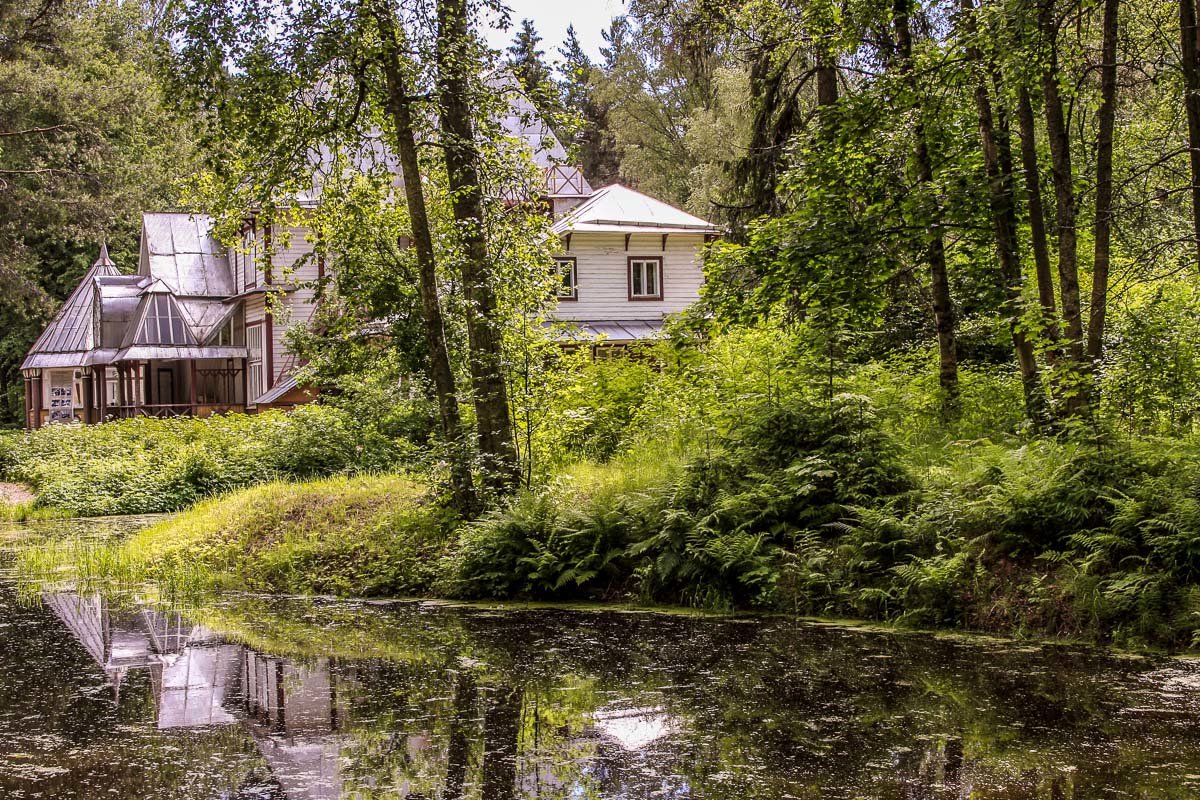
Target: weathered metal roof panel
{"x": 618, "y": 208}
{"x": 614, "y": 331}
{"x": 167, "y": 353}
{"x": 182, "y": 252}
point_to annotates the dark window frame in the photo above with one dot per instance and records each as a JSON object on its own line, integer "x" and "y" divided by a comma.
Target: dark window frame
{"x": 658, "y": 261}
{"x": 574, "y": 295}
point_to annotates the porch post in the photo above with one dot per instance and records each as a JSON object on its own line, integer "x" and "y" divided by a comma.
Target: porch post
{"x": 37, "y": 400}
{"x": 140, "y": 395}
{"x": 101, "y": 377}
{"x": 89, "y": 397}
{"x": 28, "y": 408}
{"x": 192, "y": 384}
{"x": 245, "y": 384}
{"x": 122, "y": 394}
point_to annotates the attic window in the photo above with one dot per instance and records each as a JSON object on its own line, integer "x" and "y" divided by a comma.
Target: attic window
{"x": 645, "y": 278}
{"x": 163, "y": 323}
{"x": 568, "y": 286}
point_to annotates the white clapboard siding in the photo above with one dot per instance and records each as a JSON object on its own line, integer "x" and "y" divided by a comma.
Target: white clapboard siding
{"x": 602, "y": 275}
{"x": 292, "y": 264}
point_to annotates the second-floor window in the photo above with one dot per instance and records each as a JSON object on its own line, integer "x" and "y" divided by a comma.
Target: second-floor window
{"x": 567, "y": 287}
{"x": 645, "y": 278}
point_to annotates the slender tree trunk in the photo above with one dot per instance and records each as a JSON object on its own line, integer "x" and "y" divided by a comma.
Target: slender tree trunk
{"x": 400, "y": 108}
{"x": 1063, "y": 176}
{"x": 1037, "y": 219}
{"x": 935, "y": 247}
{"x": 1106, "y": 119}
{"x": 997, "y": 160}
{"x": 455, "y": 70}
{"x": 1189, "y": 39}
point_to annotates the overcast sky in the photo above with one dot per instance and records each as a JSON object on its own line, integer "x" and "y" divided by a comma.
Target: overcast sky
{"x": 551, "y": 18}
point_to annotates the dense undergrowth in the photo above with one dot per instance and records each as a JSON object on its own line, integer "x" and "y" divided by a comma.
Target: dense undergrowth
{"x": 148, "y": 465}
{"x": 719, "y": 476}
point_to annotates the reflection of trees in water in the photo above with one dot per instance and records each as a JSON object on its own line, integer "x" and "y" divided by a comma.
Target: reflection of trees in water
{"x": 462, "y": 705}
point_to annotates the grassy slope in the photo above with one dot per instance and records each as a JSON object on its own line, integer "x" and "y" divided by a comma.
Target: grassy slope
{"x": 366, "y": 535}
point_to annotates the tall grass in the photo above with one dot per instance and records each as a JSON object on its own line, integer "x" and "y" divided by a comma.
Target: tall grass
{"x": 149, "y": 465}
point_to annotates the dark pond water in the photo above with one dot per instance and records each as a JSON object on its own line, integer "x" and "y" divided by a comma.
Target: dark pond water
{"x": 313, "y": 700}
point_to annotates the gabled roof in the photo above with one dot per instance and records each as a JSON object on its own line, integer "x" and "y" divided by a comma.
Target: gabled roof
{"x": 619, "y": 209}
{"x": 72, "y": 331}
{"x": 180, "y": 251}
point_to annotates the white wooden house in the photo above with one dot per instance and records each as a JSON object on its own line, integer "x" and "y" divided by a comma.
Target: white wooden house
{"x": 192, "y": 333}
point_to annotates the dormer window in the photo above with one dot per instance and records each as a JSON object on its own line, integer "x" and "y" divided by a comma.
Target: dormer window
{"x": 567, "y": 287}
{"x": 645, "y": 278}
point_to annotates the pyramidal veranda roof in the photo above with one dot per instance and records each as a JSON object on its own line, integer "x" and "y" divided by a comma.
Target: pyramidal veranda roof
{"x": 72, "y": 331}
{"x": 619, "y": 209}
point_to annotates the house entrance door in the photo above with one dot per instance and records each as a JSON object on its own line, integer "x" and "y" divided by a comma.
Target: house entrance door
{"x": 165, "y": 387}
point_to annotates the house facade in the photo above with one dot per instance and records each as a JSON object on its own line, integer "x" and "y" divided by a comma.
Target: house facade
{"x": 193, "y": 332}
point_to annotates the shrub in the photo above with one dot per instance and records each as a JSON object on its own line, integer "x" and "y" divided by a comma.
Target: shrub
{"x": 148, "y": 465}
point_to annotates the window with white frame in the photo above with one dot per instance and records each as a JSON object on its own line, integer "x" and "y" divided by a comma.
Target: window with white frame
{"x": 254, "y": 362}
{"x": 645, "y": 278}
{"x": 567, "y": 287}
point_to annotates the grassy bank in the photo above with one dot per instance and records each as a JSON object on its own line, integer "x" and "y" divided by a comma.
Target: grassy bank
{"x": 362, "y": 535}
{"x": 802, "y": 513}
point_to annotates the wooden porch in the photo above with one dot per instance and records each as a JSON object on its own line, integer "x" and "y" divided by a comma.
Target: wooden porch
{"x": 145, "y": 388}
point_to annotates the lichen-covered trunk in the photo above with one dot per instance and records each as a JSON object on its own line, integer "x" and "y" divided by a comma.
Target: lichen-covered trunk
{"x": 399, "y": 107}
{"x": 935, "y": 245}
{"x": 493, "y": 419}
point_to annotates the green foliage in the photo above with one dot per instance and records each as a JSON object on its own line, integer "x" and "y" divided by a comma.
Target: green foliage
{"x": 149, "y": 465}
{"x": 88, "y": 140}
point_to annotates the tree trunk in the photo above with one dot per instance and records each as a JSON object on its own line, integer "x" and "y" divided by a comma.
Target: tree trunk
{"x": 400, "y": 109}
{"x": 1189, "y": 34}
{"x": 1037, "y": 219}
{"x": 935, "y": 248}
{"x": 455, "y": 70}
{"x": 997, "y": 160}
{"x": 1106, "y": 119}
{"x": 1064, "y": 190}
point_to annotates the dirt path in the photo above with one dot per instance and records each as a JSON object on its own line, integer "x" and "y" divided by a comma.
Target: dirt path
{"x": 15, "y": 493}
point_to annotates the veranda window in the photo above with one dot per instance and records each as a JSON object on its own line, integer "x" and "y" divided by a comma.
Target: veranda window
{"x": 645, "y": 278}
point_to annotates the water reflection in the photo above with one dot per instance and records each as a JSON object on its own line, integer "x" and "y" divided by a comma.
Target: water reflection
{"x": 314, "y": 700}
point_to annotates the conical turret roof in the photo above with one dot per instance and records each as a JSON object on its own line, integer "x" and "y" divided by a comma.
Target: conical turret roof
{"x": 72, "y": 331}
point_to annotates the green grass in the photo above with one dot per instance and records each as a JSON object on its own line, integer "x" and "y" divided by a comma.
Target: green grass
{"x": 346, "y": 535}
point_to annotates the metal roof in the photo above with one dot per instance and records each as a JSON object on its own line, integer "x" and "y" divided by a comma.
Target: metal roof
{"x": 285, "y": 385}
{"x": 179, "y": 250}
{"x": 72, "y": 331}
{"x": 619, "y": 209}
{"x": 609, "y": 330}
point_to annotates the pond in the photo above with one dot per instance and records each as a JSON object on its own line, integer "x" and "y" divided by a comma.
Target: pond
{"x": 315, "y": 699}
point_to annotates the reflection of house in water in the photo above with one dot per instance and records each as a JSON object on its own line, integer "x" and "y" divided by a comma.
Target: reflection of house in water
{"x": 291, "y": 711}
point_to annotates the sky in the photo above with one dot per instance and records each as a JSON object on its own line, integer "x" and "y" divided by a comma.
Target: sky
{"x": 551, "y": 18}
